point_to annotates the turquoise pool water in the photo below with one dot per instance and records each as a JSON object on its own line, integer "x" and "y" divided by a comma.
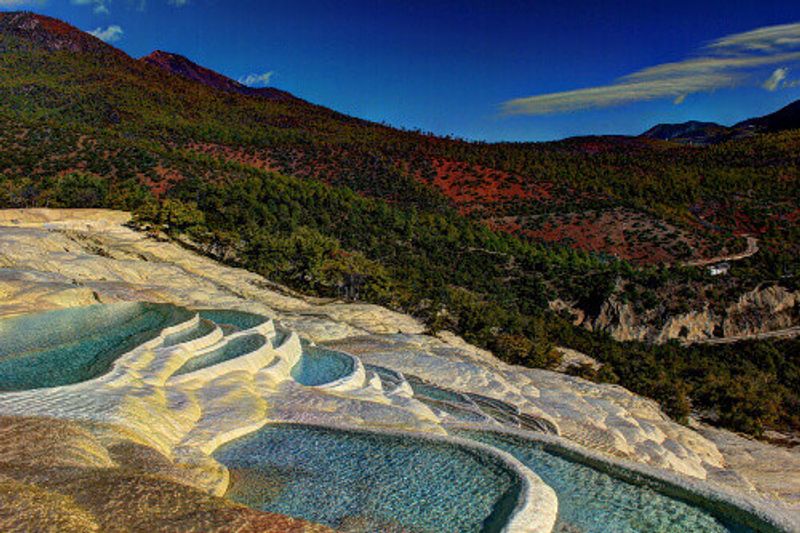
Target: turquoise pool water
{"x": 232, "y": 349}
{"x": 203, "y": 328}
{"x": 318, "y": 366}
{"x": 74, "y": 345}
{"x": 591, "y": 501}
{"x": 232, "y": 320}
{"x": 366, "y": 482}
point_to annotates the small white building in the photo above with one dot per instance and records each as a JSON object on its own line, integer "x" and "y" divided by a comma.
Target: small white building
{"x": 719, "y": 269}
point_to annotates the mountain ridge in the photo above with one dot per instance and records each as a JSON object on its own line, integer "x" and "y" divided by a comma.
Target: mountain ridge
{"x": 568, "y": 192}
{"x": 182, "y": 66}
{"x": 704, "y": 133}
{"x": 52, "y": 34}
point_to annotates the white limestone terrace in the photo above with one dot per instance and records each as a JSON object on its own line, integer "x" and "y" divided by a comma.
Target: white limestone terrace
{"x": 51, "y": 259}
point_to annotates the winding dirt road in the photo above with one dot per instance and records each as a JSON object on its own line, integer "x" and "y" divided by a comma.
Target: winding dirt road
{"x": 752, "y": 249}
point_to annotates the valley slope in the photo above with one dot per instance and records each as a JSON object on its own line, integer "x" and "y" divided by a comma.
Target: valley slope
{"x": 516, "y": 246}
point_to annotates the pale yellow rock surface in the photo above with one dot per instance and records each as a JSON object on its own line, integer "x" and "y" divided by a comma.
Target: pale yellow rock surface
{"x": 53, "y": 259}
{"x": 56, "y": 476}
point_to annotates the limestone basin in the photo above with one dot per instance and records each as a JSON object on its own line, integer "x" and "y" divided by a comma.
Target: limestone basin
{"x": 322, "y": 366}
{"x": 366, "y": 481}
{"x": 71, "y": 346}
{"x": 595, "y": 496}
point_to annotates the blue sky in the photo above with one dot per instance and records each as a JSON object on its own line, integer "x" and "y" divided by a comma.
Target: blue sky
{"x": 490, "y": 70}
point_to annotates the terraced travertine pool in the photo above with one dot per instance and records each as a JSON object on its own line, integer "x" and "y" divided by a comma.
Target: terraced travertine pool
{"x": 232, "y": 320}
{"x": 359, "y": 481}
{"x": 74, "y": 345}
{"x": 318, "y": 366}
{"x": 231, "y": 349}
{"x": 592, "y": 501}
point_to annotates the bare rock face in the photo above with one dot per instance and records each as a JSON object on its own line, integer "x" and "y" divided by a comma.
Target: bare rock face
{"x": 760, "y": 311}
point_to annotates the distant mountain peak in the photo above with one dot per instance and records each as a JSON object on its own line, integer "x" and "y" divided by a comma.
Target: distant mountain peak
{"x": 185, "y": 67}
{"x": 49, "y": 33}
{"x": 691, "y": 132}
{"x": 786, "y": 118}
{"x": 702, "y": 133}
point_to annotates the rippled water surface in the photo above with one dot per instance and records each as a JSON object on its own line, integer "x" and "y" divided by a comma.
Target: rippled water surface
{"x": 74, "y": 345}
{"x": 590, "y": 501}
{"x": 318, "y": 366}
{"x": 355, "y": 481}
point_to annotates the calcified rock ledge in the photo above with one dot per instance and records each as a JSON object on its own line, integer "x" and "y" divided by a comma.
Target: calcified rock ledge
{"x": 52, "y": 259}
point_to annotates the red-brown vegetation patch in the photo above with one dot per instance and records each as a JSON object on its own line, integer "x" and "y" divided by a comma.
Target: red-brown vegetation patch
{"x": 468, "y": 184}
{"x": 166, "y": 179}
{"x": 620, "y": 232}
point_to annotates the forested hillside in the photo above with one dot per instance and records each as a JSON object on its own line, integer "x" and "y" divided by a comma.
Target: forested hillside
{"x": 472, "y": 237}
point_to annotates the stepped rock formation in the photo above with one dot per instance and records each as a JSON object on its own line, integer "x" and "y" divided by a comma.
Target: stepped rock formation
{"x": 146, "y": 419}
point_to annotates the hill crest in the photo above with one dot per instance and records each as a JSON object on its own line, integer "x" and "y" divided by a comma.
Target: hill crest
{"x": 51, "y": 34}
{"x": 185, "y": 67}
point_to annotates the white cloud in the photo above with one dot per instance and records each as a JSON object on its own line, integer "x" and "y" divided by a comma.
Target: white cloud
{"x": 617, "y": 94}
{"x": 765, "y": 39}
{"x": 110, "y": 35}
{"x": 724, "y": 63}
{"x": 98, "y": 6}
{"x": 256, "y": 80}
{"x": 775, "y": 79}
{"x": 20, "y": 3}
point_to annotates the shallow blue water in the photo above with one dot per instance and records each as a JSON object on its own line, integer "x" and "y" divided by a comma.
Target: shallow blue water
{"x": 591, "y": 501}
{"x": 318, "y": 366}
{"x": 355, "y": 481}
{"x": 230, "y": 350}
{"x": 237, "y": 320}
{"x": 203, "y": 328}
{"x": 74, "y": 345}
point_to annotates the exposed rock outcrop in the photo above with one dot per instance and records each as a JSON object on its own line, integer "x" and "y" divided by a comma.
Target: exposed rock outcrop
{"x": 763, "y": 310}
{"x": 56, "y": 475}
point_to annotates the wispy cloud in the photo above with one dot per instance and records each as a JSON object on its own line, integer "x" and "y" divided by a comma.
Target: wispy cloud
{"x": 20, "y": 3}
{"x": 98, "y": 6}
{"x": 775, "y": 79}
{"x": 256, "y": 80}
{"x": 723, "y": 63}
{"x": 767, "y": 39}
{"x": 110, "y": 34}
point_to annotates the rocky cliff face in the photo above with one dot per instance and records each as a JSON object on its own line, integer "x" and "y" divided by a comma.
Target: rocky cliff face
{"x": 761, "y": 311}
